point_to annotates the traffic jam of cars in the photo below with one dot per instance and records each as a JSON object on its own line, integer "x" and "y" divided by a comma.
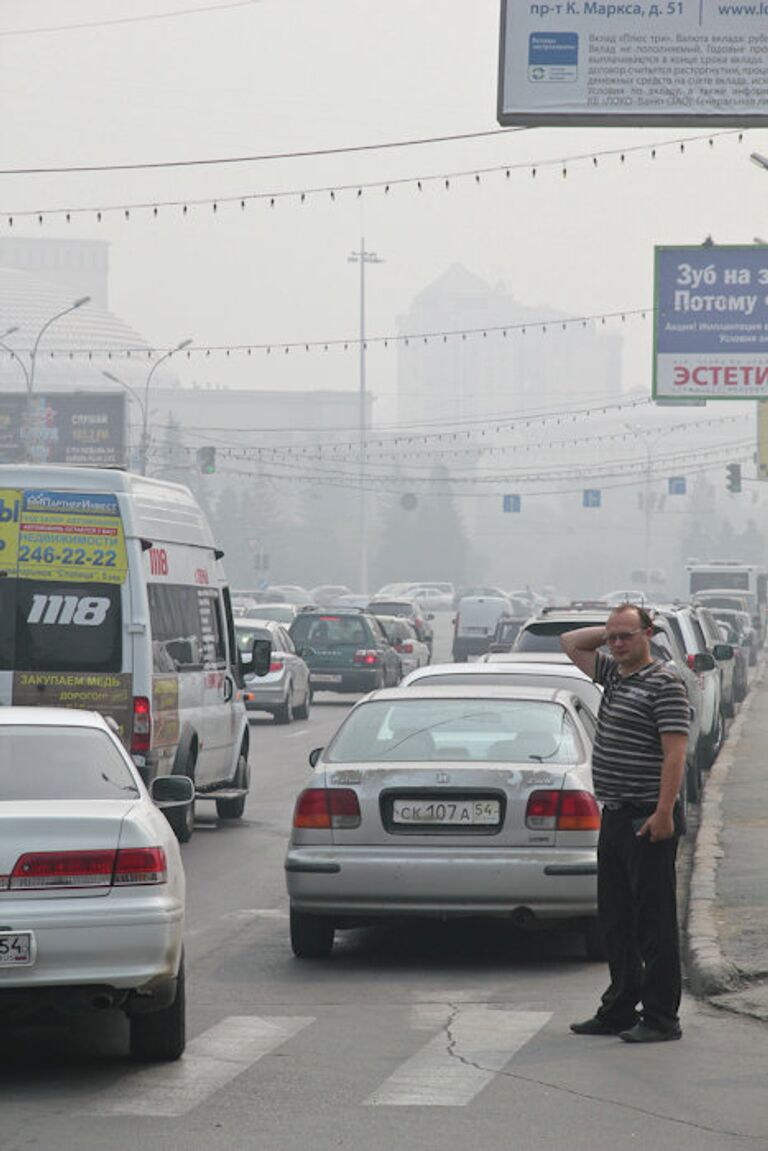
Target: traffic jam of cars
{"x": 447, "y": 790}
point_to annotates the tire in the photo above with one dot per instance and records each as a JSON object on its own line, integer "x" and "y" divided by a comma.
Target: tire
{"x": 161, "y": 1036}
{"x": 593, "y": 940}
{"x": 285, "y": 713}
{"x": 234, "y": 808}
{"x": 715, "y": 741}
{"x": 311, "y": 935}
{"x": 182, "y": 821}
{"x": 303, "y": 711}
{"x": 693, "y": 780}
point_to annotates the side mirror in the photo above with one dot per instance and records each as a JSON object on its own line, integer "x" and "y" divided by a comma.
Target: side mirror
{"x": 314, "y": 755}
{"x": 722, "y": 651}
{"x": 261, "y": 656}
{"x": 703, "y": 661}
{"x": 171, "y": 790}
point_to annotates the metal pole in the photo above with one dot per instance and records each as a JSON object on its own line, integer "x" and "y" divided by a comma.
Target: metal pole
{"x": 647, "y": 447}
{"x": 363, "y": 429}
{"x": 145, "y": 421}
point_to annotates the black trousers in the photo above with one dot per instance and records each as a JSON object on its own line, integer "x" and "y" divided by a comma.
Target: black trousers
{"x": 637, "y": 908}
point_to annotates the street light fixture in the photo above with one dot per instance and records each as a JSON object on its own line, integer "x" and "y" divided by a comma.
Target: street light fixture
{"x": 362, "y": 258}
{"x": 145, "y": 408}
{"x": 134, "y": 394}
{"x": 761, "y": 161}
{"x": 33, "y": 354}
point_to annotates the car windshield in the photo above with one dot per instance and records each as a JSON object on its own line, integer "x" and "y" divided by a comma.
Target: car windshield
{"x": 57, "y": 763}
{"x": 468, "y": 730}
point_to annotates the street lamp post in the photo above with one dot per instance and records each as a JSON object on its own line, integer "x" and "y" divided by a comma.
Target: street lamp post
{"x": 134, "y": 394}
{"x": 362, "y": 258}
{"x": 145, "y": 406}
{"x": 33, "y": 354}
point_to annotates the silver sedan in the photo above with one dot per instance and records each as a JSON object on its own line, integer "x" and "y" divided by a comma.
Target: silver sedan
{"x": 448, "y": 801}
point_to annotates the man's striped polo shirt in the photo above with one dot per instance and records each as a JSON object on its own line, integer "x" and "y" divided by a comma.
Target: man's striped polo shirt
{"x": 635, "y": 711}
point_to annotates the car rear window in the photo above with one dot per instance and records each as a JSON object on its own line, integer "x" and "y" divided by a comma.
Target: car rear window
{"x": 329, "y": 631}
{"x": 468, "y": 730}
{"x": 56, "y": 763}
{"x": 545, "y": 636}
{"x": 387, "y": 607}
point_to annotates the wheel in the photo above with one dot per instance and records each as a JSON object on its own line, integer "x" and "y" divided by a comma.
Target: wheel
{"x": 693, "y": 780}
{"x": 303, "y": 711}
{"x": 284, "y": 713}
{"x": 311, "y": 935}
{"x": 161, "y": 1036}
{"x": 716, "y": 740}
{"x": 593, "y": 939}
{"x": 234, "y": 808}
{"x": 182, "y": 820}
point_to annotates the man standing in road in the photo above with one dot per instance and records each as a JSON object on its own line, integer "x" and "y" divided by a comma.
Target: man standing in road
{"x": 637, "y": 767}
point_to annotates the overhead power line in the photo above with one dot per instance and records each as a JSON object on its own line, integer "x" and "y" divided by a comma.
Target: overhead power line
{"x": 151, "y": 16}
{"x": 257, "y": 158}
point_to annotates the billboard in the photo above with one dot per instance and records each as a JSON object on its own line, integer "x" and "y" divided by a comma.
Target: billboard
{"x": 672, "y": 62}
{"x": 711, "y": 323}
{"x": 63, "y": 428}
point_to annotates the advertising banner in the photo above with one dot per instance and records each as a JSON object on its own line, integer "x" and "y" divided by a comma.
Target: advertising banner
{"x": 711, "y": 323}
{"x": 668, "y": 62}
{"x": 62, "y": 536}
{"x": 63, "y": 428}
{"x": 97, "y": 691}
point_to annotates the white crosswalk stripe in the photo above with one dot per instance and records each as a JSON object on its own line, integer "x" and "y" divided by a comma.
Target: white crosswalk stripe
{"x": 212, "y": 1060}
{"x": 477, "y": 1042}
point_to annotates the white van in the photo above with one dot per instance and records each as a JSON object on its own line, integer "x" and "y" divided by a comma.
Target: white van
{"x": 112, "y": 598}
{"x": 475, "y": 622}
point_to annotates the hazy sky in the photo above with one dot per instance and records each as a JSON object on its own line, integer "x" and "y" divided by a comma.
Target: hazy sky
{"x": 283, "y": 75}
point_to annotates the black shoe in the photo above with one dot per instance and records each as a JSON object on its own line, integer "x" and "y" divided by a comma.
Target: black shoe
{"x": 598, "y": 1026}
{"x": 644, "y": 1033}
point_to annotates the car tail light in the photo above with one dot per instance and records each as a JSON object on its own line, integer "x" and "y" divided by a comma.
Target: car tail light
{"x": 405, "y": 648}
{"x": 141, "y": 730}
{"x": 140, "y": 865}
{"x": 365, "y": 656}
{"x": 47, "y": 869}
{"x": 690, "y": 660}
{"x": 327, "y": 807}
{"x": 276, "y": 665}
{"x": 562, "y": 811}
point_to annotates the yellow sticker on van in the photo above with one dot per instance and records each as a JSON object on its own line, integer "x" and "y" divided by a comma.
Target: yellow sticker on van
{"x": 62, "y": 536}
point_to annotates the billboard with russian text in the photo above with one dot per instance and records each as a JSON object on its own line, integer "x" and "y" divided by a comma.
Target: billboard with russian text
{"x": 711, "y": 323}
{"x": 63, "y": 428}
{"x": 668, "y": 62}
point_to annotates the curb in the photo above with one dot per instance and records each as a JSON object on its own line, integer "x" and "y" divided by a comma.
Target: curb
{"x": 709, "y": 971}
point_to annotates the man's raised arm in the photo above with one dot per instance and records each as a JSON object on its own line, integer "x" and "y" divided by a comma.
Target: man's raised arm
{"x": 581, "y": 645}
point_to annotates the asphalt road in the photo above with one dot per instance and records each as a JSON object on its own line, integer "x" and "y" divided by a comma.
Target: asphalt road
{"x": 428, "y": 1036}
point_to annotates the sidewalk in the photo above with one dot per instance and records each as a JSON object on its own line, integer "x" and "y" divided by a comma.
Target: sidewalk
{"x": 727, "y": 922}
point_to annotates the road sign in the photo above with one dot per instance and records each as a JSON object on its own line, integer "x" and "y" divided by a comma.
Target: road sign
{"x": 511, "y": 503}
{"x": 591, "y": 498}
{"x": 677, "y": 485}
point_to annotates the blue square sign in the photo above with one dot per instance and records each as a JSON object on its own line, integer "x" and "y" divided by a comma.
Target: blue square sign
{"x": 677, "y": 485}
{"x": 591, "y": 498}
{"x": 511, "y": 503}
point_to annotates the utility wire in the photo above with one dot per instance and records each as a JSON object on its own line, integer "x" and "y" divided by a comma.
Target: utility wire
{"x": 129, "y": 19}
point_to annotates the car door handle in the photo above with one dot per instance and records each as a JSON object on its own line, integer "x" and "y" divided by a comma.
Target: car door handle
{"x": 229, "y": 688}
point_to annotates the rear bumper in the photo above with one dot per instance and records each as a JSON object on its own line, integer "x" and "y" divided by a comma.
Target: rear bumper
{"x": 95, "y": 944}
{"x": 368, "y": 881}
{"x": 347, "y": 679}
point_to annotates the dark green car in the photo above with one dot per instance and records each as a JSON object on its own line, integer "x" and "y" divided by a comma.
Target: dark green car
{"x": 345, "y": 650}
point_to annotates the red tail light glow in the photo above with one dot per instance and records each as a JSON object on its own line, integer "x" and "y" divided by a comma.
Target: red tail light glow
{"x": 46, "y": 870}
{"x": 556, "y": 810}
{"x": 405, "y": 648}
{"x": 141, "y": 729}
{"x": 276, "y": 665}
{"x": 327, "y": 807}
{"x": 365, "y": 656}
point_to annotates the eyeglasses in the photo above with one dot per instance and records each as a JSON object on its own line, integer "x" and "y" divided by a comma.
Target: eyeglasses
{"x": 622, "y": 636}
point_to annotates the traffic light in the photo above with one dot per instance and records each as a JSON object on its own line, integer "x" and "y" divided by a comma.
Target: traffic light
{"x": 206, "y": 460}
{"x": 733, "y": 482}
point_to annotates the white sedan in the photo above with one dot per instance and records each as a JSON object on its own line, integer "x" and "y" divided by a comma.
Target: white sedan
{"x": 91, "y": 879}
